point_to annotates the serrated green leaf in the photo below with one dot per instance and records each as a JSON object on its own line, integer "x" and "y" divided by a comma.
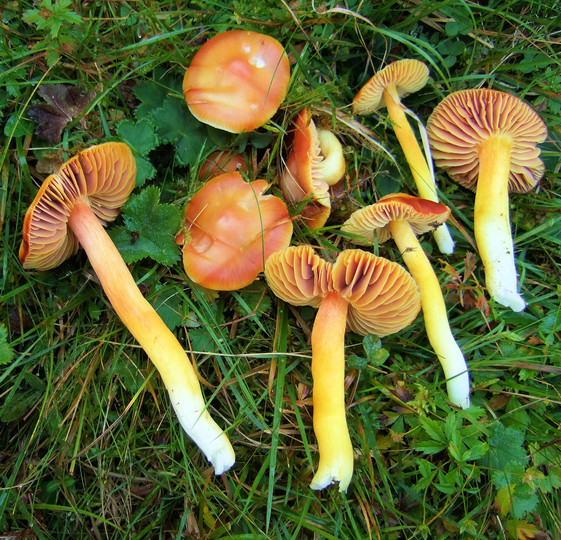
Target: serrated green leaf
{"x": 506, "y": 445}
{"x": 429, "y": 447}
{"x": 151, "y": 96}
{"x": 149, "y": 229}
{"x": 433, "y": 430}
{"x": 476, "y": 451}
{"x": 188, "y": 149}
{"x": 175, "y": 124}
{"x": 173, "y": 120}
{"x": 375, "y": 353}
{"x": 17, "y": 127}
{"x": 144, "y": 170}
{"x": 201, "y": 340}
{"x": 139, "y": 135}
{"x": 6, "y": 352}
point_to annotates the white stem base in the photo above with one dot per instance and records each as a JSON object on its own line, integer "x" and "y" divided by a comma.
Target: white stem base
{"x": 444, "y": 240}
{"x": 204, "y": 431}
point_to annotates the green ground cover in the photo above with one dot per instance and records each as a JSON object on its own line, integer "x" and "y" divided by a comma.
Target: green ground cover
{"x": 89, "y": 446}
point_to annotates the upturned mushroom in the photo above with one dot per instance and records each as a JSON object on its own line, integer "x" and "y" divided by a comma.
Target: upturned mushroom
{"x": 367, "y": 294}
{"x": 231, "y": 228}
{"x": 314, "y": 163}
{"x": 70, "y": 210}
{"x": 237, "y": 80}
{"x": 402, "y": 217}
{"x": 385, "y": 89}
{"x": 487, "y": 141}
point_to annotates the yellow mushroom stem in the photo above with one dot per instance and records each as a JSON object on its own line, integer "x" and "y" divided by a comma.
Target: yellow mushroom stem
{"x": 154, "y": 336}
{"x": 422, "y": 175}
{"x": 437, "y": 326}
{"x": 492, "y": 222}
{"x": 328, "y": 372}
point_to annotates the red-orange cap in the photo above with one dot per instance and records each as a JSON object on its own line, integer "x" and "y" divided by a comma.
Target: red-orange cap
{"x": 231, "y": 230}
{"x": 237, "y": 80}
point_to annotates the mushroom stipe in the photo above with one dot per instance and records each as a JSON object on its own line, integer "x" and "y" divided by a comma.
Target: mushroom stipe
{"x": 71, "y": 209}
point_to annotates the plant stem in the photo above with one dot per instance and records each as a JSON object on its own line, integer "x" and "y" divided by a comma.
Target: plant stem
{"x": 437, "y": 326}
{"x": 328, "y": 371}
{"x": 154, "y": 336}
{"x": 492, "y": 223}
{"x": 422, "y": 175}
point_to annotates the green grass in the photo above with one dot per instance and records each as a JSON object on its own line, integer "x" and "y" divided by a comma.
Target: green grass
{"x": 89, "y": 446}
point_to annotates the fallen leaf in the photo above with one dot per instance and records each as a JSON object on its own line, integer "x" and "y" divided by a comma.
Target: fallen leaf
{"x": 63, "y": 104}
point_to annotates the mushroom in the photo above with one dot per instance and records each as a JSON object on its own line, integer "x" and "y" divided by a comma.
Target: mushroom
{"x": 367, "y": 294}
{"x": 220, "y": 162}
{"x": 314, "y": 162}
{"x": 402, "y": 217}
{"x": 231, "y": 228}
{"x": 385, "y": 89}
{"x": 71, "y": 209}
{"x": 237, "y": 80}
{"x": 486, "y": 141}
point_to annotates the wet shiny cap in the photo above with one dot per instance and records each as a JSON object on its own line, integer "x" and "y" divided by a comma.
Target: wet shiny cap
{"x": 237, "y": 80}
{"x": 231, "y": 228}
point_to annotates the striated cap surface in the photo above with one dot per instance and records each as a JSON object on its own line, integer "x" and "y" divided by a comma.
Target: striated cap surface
{"x": 103, "y": 176}
{"x": 462, "y": 121}
{"x": 405, "y": 76}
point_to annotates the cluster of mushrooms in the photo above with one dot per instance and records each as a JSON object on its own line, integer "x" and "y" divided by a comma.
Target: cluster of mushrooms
{"x": 233, "y": 231}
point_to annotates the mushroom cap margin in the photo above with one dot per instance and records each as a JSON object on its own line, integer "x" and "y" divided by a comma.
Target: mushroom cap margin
{"x": 298, "y": 275}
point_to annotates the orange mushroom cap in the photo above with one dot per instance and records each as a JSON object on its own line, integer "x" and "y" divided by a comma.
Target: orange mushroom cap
{"x": 232, "y": 228}
{"x": 383, "y": 297}
{"x": 464, "y": 119}
{"x": 373, "y": 221}
{"x": 237, "y": 80}
{"x": 102, "y": 175}
{"x": 299, "y": 276}
{"x": 407, "y": 76}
